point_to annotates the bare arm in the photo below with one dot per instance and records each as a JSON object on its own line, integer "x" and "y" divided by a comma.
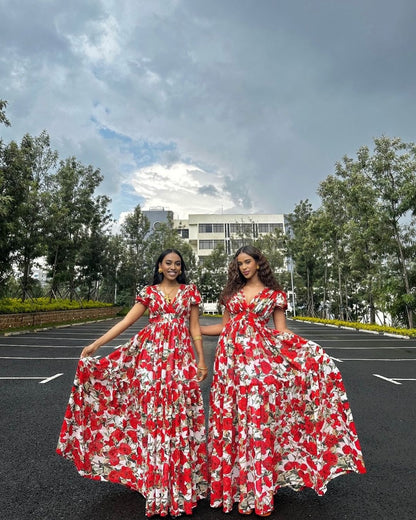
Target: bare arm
{"x": 279, "y": 319}
{"x": 195, "y": 330}
{"x": 134, "y": 314}
{"x": 216, "y": 329}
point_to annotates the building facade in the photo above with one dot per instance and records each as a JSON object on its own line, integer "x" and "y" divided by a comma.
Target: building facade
{"x": 157, "y": 216}
{"x": 204, "y": 232}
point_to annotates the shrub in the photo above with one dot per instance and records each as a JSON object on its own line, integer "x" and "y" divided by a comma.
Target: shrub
{"x": 15, "y": 305}
{"x": 361, "y": 326}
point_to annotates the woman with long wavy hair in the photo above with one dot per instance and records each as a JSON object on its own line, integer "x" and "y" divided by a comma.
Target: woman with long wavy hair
{"x": 279, "y": 414}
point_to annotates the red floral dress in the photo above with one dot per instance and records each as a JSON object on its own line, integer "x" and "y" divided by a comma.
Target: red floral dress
{"x": 279, "y": 412}
{"x": 135, "y": 417}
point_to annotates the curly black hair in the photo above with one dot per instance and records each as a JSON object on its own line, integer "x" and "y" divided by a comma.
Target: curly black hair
{"x": 236, "y": 280}
{"x": 158, "y": 277}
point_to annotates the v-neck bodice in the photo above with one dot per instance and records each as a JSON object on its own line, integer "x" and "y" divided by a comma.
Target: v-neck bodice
{"x": 257, "y": 295}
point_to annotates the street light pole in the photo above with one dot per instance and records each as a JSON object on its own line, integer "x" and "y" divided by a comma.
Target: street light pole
{"x": 290, "y": 262}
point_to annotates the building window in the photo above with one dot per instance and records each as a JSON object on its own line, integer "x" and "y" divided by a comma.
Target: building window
{"x": 241, "y": 229}
{"x": 206, "y": 244}
{"x": 211, "y": 228}
{"x": 205, "y": 228}
{"x": 182, "y": 232}
{"x": 269, "y": 228}
{"x": 210, "y": 244}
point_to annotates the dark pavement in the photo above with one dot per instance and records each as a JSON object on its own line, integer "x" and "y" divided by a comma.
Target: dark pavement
{"x": 36, "y": 374}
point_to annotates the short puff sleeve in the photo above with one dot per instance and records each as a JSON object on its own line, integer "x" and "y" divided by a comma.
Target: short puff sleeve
{"x": 144, "y": 296}
{"x": 194, "y": 295}
{"x": 280, "y": 299}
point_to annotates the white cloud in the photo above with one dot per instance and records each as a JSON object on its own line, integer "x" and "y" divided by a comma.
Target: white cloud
{"x": 99, "y": 43}
{"x": 181, "y": 188}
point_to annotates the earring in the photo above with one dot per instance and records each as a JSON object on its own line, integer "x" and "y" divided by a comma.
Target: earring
{"x": 257, "y": 268}
{"x": 160, "y": 270}
{"x": 180, "y": 272}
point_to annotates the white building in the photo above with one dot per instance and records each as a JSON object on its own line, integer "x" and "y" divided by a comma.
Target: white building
{"x": 205, "y": 231}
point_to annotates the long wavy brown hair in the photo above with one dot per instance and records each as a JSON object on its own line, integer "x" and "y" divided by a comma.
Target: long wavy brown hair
{"x": 236, "y": 280}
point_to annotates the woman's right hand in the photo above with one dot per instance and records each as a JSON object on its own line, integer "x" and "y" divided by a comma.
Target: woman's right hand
{"x": 89, "y": 350}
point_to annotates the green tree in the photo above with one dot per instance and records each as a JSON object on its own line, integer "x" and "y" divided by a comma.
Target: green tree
{"x": 4, "y": 198}
{"x": 211, "y": 274}
{"x": 36, "y": 162}
{"x": 93, "y": 256}
{"x": 134, "y": 230}
{"x": 362, "y": 229}
{"x": 23, "y": 173}
{"x": 11, "y": 188}
{"x": 392, "y": 170}
{"x": 3, "y": 119}
{"x": 272, "y": 245}
{"x": 304, "y": 248}
{"x": 72, "y": 205}
{"x": 371, "y": 204}
{"x": 117, "y": 279}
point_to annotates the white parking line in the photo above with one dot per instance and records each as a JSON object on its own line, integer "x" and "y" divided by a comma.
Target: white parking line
{"x": 50, "y": 378}
{"x": 18, "y": 377}
{"x": 80, "y": 347}
{"x": 373, "y": 348}
{"x": 50, "y": 346}
{"x": 43, "y": 378}
{"x": 394, "y": 380}
{"x": 377, "y": 359}
{"x": 317, "y": 339}
{"x": 16, "y": 357}
{"x": 387, "y": 379}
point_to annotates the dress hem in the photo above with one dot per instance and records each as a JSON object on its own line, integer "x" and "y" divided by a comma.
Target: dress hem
{"x": 103, "y": 478}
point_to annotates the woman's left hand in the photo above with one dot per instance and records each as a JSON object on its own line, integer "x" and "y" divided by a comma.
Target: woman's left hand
{"x": 202, "y": 372}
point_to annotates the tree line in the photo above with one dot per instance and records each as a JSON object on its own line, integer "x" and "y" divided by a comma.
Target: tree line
{"x": 353, "y": 258}
{"x": 355, "y": 254}
{"x": 50, "y": 215}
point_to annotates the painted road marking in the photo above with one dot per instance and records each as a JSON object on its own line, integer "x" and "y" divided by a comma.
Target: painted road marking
{"x": 378, "y": 359}
{"x": 387, "y": 379}
{"x": 50, "y": 378}
{"x": 394, "y": 380}
{"x": 5, "y": 345}
{"x": 37, "y": 358}
{"x": 43, "y": 378}
{"x": 397, "y": 347}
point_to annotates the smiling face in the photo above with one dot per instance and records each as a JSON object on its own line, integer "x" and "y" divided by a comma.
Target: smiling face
{"x": 171, "y": 266}
{"x": 247, "y": 266}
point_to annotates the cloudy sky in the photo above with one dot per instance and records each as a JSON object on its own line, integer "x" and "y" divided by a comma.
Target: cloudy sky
{"x": 206, "y": 106}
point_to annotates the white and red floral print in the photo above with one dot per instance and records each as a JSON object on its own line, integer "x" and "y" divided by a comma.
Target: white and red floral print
{"x": 135, "y": 417}
{"x": 279, "y": 414}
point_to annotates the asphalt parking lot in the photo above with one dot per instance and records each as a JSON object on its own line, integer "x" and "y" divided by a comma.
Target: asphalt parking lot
{"x": 36, "y": 374}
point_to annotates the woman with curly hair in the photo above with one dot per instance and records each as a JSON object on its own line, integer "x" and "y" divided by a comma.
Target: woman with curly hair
{"x": 279, "y": 414}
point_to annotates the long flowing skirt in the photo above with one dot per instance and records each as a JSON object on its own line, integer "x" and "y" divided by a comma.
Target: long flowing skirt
{"x": 279, "y": 417}
{"x": 140, "y": 423}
